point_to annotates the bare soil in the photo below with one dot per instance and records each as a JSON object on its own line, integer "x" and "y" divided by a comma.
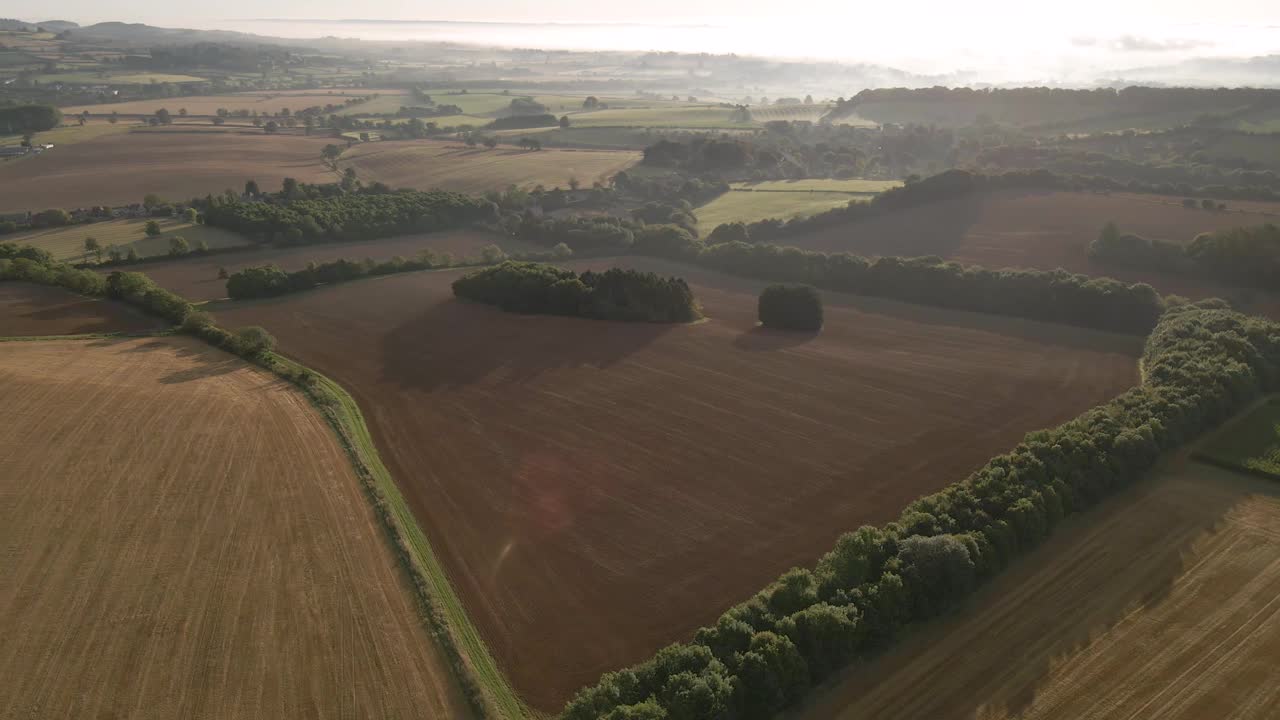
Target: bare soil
{"x": 28, "y": 310}
{"x": 196, "y": 278}
{"x": 184, "y": 538}
{"x": 1047, "y": 230}
{"x": 176, "y": 163}
{"x": 597, "y": 490}
{"x": 1162, "y": 603}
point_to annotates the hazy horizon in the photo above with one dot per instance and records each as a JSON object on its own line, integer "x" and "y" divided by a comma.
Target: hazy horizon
{"x": 998, "y": 41}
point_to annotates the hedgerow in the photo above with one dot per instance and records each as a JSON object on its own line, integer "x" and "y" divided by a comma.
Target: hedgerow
{"x": 1203, "y": 363}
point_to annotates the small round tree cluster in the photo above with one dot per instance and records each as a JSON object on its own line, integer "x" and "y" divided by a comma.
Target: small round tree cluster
{"x": 791, "y": 307}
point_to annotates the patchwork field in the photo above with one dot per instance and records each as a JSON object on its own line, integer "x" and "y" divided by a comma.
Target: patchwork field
{"x": 176, "y": 163}
{"x": 597, "y": 490}
{"x": 197, "y": 278}
{"x": 426, "y": 164}
{"x": 1045, "y": 230}
{"x": 269, "y": 102}
{"x": 786, "y": 199}
{"x": 694, "y": 116}
{"x": 28, "y": 310}
{"x": 185, "y": 538}
{"x": 1161, "y": 603}
{"x": 749, "y": 207}
{"x": 67, "y": 243}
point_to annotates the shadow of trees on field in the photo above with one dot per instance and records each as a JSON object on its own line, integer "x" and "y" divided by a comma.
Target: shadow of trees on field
{"x": 455, "y": 343}
{"x": 938, "y": 228}
{"x": 760, "y": 338}
{"x": 1012, "y": 639}
{"x": 208, "y": 362}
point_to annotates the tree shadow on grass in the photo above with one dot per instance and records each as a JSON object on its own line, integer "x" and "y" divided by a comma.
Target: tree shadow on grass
{"x": 455, "y": 343}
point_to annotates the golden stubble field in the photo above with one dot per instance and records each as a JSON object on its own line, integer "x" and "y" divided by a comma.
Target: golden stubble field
{"x": 183, "y": 538}
{"x": 1162, "y": 603}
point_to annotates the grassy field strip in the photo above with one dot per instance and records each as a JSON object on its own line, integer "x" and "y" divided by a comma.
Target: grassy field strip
{"x": 67, "y": 242}
{"x": 446, "y": 617}
{"x": 1250, "y": 444}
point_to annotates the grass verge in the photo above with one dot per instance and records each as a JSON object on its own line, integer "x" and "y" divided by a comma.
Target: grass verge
{"x": 1249, "y": 445}
{"x": 474, "y": 667}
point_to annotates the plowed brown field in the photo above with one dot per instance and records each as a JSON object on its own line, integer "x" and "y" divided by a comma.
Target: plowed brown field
{"x": 1044, "y": 230}
{"x": 184, "y": 538}
{"x": 197, "y": 278}
{"x": 36, "y": 310}
{"x": 1163, "y": 603}
{"x": 597, "y": 490}
{"x": 176, "y": 163}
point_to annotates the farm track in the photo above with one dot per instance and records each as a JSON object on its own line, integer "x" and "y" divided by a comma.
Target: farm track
{"x": 183, "y": 537}
{"x": 1044, "y": 230}
{"x": 597, "y": 490}
{"x": 28, "y": 310}
{"x": 1164, "y": 602}
{"x": 176, "y": 163}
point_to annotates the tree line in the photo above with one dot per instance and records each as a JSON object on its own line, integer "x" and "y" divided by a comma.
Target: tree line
{"x": 20, "y": 119}
{"x": 1203, "y": 363}
{"x": 1052, "y": 296}
{"x": 1242, "y": 255}
{"x": 24, "y": 263}
{"x": 358, "y": 216}
{"x": 615, "y": 294}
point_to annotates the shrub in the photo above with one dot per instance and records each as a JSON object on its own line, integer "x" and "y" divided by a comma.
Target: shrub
{"x": 254, "y": 341}
{"x": 791, "y": 307}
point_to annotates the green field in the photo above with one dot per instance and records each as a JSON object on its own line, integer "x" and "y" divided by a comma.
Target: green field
{"x": 67, "y": 243}
{"x": 854, "y": 185}
{"x": 1251, "y": 444}
{"x": 124, "y": 79}
{"x": 786, "y": 199}
{"x": 69, "y": 134}
{"x": 752, "y": 207}
{"x": 688, "y": 116}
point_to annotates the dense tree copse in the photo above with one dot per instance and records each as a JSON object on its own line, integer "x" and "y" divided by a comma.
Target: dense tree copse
{"x": 361, "y": 216}
{"x": 790, "y": 307}
{"x": 1203, "y": 364}
{"x": 20, "y": 119}
{"x": 1241, "y": 255}
{"x": 614, "y": 294}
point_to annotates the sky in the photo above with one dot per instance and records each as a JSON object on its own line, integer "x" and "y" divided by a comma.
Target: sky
{"x": 932, "y": 36}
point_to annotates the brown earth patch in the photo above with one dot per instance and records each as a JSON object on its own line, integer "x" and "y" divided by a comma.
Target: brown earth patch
{"x": 1046, "y": 230}
{"x": 176, "y": 163}
{"x": 28, "y": 310}
{"x": 597, "y": 490}
{"x": 196, "y": 278}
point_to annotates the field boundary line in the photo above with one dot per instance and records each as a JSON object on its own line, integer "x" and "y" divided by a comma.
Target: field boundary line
{"x": 474, "y": 668}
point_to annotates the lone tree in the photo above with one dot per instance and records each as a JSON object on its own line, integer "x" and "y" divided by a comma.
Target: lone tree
{"x": 564, "y": 121}
{"x": 92, "y": 247}
{"x": 152, "y": 228}
{"x": 178, "y": 245}
{"x": 791, "y": 307}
